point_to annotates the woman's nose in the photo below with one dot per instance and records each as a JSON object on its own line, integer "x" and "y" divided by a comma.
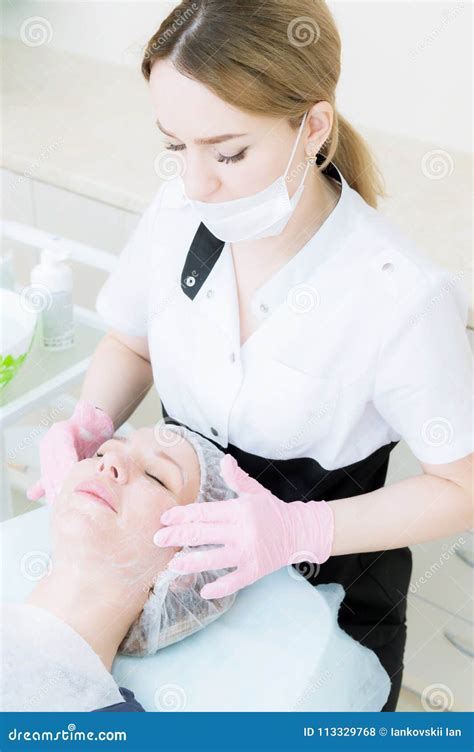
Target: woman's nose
{"x": 114, "y": 467}
{"x": 199, "y": 184}
{"x": 198, "y": 192}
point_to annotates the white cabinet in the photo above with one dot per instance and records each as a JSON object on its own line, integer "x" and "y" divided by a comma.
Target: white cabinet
{"x": 440, "y": 643}
{"x": 438, "y": 657}
{"x": 443, "y": 574}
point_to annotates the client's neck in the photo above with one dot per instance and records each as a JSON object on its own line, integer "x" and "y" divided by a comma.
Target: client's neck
{"x": 101, "y": 612}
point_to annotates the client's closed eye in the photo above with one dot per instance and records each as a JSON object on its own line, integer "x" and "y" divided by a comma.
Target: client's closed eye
{"x": 157, "y": 479}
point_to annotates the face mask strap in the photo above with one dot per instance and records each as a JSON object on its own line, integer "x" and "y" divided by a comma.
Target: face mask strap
{"x": 295, "y": 146}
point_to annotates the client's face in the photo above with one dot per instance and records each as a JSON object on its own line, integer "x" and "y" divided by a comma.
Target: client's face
{"x": 110, "y": 505}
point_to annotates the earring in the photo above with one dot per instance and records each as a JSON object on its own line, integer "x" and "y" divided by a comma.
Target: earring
{"x": 312, "y": 160}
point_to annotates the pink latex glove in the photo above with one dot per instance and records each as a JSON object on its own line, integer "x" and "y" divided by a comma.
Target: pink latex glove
{"x": 67, "y": 442}
{"x": 259, "y": 532}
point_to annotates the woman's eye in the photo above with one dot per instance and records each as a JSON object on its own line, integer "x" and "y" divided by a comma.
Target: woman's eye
{"x": 97, "y": 454}
{"x": 155, "y": 478}
{"x": 175, "y": 147}
{"x": 234, "y": 158}
{"x": 220, "y": 157}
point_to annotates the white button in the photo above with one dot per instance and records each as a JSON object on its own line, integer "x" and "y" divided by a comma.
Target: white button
{"x": 209, "y": 293}
{"x": 213, "y": 430}
{"x": 264, "y": 307}
{"x": 232, "y": 357}
{"x": 388, "y": 267}
{"x": 190, "y": 281}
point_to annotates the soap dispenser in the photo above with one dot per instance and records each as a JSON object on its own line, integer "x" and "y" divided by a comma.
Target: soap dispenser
{"x": 51, "y": 285}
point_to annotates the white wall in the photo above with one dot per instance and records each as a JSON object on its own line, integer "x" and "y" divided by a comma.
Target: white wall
{"x": 406, "y": 68}
{"x": 406, "y": 65}
{"x": 113, "y": 31}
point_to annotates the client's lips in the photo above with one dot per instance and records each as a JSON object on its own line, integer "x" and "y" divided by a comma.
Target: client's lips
{"x": 98, "y": 490}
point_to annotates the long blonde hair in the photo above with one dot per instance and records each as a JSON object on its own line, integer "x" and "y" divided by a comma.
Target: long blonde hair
{"x": 274, "y": 58}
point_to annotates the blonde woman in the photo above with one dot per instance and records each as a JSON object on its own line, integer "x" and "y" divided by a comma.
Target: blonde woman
{"x": 283, "y": 318}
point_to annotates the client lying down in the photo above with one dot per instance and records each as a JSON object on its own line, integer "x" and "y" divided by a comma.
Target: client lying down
{"x": 108, "y": 589}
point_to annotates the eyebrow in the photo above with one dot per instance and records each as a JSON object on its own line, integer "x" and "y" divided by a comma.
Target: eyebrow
{"x": 158, "y": 453}
{"x": 211, "y": 140}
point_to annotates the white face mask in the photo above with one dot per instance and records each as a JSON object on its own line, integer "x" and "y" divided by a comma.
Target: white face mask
{"x": 260, "y": 215}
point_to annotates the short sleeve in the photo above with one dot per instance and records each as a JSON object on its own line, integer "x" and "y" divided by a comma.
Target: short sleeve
{"x": 423, "y": 381}
{"x": 122, "y": 302}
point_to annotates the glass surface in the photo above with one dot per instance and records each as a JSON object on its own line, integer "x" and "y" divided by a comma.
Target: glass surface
{"x": 40, "y": 364}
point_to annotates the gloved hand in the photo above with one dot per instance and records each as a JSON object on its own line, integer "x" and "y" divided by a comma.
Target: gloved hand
{"x": 67, "y": 442}
{"x": 259, "y": 532}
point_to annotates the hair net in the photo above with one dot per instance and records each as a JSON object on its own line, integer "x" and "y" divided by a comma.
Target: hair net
{"x": 175, "y": 609}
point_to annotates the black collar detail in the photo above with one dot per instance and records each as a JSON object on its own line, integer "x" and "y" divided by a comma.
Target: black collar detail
{"x": 202, "y": 255}
{"x": 330, "y": 170}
